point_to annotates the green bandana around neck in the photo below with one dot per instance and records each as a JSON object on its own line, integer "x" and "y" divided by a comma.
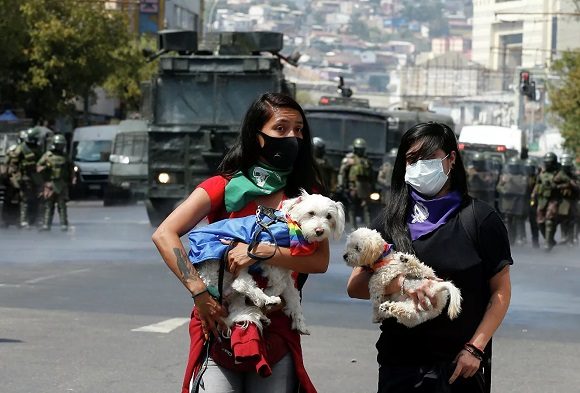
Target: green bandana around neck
{"x": 262, "y": 180}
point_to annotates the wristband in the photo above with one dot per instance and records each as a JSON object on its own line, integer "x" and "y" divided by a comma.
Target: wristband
{"x": 193, "y": 296}
{"x": 474, "y": 351}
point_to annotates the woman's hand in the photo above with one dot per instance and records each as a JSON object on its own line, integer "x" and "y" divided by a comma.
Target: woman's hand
{"x": 421, "y": 293}
{"x": 210, "y": 313}
{"x": 466, "y": 366}
{"x": 237, "y": 258}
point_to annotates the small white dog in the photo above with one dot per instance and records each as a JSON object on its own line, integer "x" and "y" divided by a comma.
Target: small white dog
{"x": 366, "y": 248}
{"x": 299, "y": 224}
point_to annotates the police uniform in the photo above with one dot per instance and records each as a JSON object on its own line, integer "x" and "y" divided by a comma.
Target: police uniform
{"x": 327, "y": 171}
{"x": 384, "y": 175}
{"x": 513, "y": 199}
{"x": 547, "y": 196}
{"x": 10, "y": 207}
{"x": 568, "y": 189}
{"x": 481, "y": 181}
{"x": 531, "y": 171}
{"x": 55, "y": 167}
{"x": 355, "y": 179}
{"x": 23, "y": 172}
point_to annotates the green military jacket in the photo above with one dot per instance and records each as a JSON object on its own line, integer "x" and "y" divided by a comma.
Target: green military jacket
{"x": 55, "y": 167}
{"x": 567, "y": 190}
{"x": 545, "y": 189}
{"x": 23, "y": 164}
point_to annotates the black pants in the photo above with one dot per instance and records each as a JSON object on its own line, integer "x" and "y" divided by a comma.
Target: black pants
{"x": 430, "y": 379}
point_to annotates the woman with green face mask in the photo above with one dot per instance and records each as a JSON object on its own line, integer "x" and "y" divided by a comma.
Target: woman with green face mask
{"x": 270, "y": 161}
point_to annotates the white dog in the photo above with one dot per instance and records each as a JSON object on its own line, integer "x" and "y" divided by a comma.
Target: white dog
{"x": 299, "y": 223}
{"x": 366, "y": 248}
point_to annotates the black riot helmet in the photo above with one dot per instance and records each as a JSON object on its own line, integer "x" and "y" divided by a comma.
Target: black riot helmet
{"x": 478, "y": 162}
{"x": 58, "y": 143}
{"x": 359, "y": 146}
{"x": 550, "y": 162}
{"x": 515, "y": 167}
{"x": 567, "y": 163}
{"x": 530, "y": 167}
{"x": 318, "y": 147}
{"x": 33, "y": 136}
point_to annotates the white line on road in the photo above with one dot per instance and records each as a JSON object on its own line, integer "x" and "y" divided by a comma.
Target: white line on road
{"x": 163, "y": 326}
{"x": 10, "y": 285}
{"x": 65, "y": 273}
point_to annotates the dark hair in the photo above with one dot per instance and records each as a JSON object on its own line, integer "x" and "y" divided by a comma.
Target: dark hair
{"x": 246, "y": 150}
{"x": 433, "y": 136}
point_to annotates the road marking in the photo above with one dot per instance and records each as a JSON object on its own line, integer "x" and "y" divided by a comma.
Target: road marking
{"x": 65, "y": 273}
{"x": 163, "y": 327}
{"x": 10, "y": 285}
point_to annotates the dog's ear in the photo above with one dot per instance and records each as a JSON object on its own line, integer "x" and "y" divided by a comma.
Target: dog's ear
{"x": 287, "y": 204}
{"x": 339, "y": 220}
{"x": 303, "y": 192}
{"x": 368, "y": 253}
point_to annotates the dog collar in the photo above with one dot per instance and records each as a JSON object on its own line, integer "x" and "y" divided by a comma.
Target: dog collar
{"x": 382, "y": 260}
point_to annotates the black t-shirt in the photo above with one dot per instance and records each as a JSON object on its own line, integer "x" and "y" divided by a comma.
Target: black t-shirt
{"x": 453, "y": 256}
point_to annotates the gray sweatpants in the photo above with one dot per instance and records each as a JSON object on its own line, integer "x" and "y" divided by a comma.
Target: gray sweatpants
{"x": 217, "y": 379}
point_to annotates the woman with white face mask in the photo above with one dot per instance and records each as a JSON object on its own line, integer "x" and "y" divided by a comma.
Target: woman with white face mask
{"x": 431, "y": 215}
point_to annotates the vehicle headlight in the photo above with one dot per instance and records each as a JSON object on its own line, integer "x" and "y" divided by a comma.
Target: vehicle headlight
{"x": 76, "y": 169}
{"x": 124, "y": 159}
{"x": 375, "y": 196}
{"x": 163, "y": 178}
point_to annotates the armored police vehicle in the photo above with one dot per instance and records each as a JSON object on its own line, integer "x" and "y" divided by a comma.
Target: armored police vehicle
{"x": 196, "y": 104}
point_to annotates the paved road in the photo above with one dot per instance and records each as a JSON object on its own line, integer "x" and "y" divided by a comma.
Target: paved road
{"x": 96, "y": 310}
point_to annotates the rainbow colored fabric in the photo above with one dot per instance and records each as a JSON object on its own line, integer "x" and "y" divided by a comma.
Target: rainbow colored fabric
{"x": 298, "y": 244}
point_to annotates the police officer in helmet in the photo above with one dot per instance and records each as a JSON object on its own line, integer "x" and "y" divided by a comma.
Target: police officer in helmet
{"x": 547, "y": 196}
{"x": 532, "y": 173}
{"x": 27, "y": 179}
{"x": 327, "y": 172}
{"x": 513, "y": 199}
{"x": 355, "y": 179}
{"x": 55, "y": 167}
{"x": 569, "y": 189}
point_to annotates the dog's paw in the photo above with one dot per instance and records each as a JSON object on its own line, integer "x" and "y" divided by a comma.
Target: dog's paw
{"x": 272, "y": 300}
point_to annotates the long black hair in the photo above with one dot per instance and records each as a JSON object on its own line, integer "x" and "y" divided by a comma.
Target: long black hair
{"x": 432, "y": 136}
{"x": 246, "y": 150}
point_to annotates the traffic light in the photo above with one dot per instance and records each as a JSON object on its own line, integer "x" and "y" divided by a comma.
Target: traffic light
{"x": 527, "y": 87}
{"x": 342, "y": 89}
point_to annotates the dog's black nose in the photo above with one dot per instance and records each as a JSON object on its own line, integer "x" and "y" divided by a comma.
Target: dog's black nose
{"x": 319, "y": 231}
{"x": 345, "y": 257}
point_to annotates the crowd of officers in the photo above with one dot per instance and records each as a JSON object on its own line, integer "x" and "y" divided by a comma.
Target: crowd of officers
{"x": 546, "y": 195}
{"x": 36, "y": 182}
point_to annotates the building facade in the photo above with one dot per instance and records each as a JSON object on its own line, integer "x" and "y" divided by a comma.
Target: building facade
{"x": 508, "y": 34}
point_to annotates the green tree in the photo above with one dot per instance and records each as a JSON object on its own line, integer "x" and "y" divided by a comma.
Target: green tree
{"x": 13, "y": 39}
{"x": 565, "y": 98}
{"x": 132, "y": 68}
{"x": 72, "y": 46}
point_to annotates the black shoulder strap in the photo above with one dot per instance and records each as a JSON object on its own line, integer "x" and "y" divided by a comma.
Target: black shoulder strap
{"x": 468, "y": 220}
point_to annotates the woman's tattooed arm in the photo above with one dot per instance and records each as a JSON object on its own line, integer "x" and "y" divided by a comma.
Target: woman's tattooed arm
{"x": 188, "y": 273}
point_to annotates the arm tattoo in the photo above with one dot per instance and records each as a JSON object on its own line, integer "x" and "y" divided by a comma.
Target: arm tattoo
{"x": 187, "y": 271}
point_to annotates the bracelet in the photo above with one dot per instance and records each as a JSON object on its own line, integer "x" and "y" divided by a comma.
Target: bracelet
{"x": 474, "y": 351}
{"x": 403, "y": 286}
{"x": 199, "y": 293}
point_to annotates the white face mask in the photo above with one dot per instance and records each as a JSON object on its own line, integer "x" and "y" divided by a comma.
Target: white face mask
{"x": 427, "y": 177}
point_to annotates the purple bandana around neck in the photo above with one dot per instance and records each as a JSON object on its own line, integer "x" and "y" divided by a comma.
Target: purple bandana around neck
{"x": 426, "y": 215}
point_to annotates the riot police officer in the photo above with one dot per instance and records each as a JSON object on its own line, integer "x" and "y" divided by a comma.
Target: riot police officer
{"x": 532, "y": 172}
{"x": 23, "y": 171}
{"x": 355, "y": 179}
{"x": 481, "y": 181}
{"x": 568, "y": 189}
{"x": 9, "y": 177}
{"x": 385, "y": 174}
{"x": 513, "y": 199}
{"x": 327, "y": 171}
{"x": 55, "y": 167}
{"x": 546, "y": 193}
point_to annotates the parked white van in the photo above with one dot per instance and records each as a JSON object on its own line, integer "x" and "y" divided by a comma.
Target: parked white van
{"x": 90, "y": 152}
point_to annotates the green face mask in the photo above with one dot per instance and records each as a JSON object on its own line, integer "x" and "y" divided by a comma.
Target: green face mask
{"x": 262, "y": 180}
